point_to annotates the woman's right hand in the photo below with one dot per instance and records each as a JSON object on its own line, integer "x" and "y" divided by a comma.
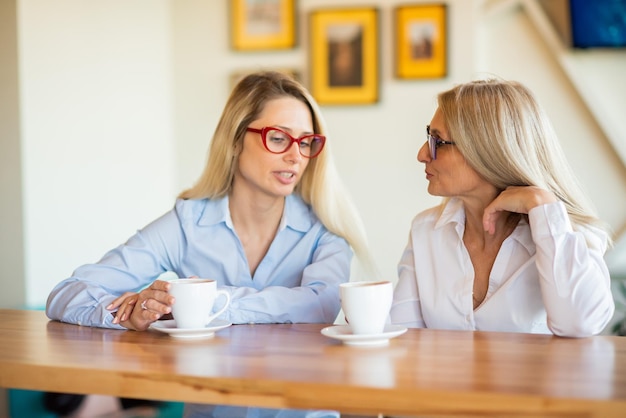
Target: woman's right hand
{"x": 515, "y": 199}
{"x": 138, "y": 310}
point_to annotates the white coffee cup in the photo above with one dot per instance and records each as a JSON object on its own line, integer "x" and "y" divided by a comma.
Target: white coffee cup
{"x": 366, "y": 305}
{"x": 195, "y": 298}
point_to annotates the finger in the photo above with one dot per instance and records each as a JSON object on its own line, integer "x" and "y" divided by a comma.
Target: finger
{"x": 160, "y": 285}
{"x": 161, "y": 299}
{"x": 140, "y": 319}
{"x": 160, "y": 305}
{"x": 125, "y": 309}
{"x": 490, "y": 217}
{"x": 119, "y": 300}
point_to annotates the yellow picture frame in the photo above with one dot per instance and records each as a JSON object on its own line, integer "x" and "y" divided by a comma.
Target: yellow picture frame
{"x": 344, "y": 56}
{"x": 421, "y": 41}
{"x": 263, "y": 24}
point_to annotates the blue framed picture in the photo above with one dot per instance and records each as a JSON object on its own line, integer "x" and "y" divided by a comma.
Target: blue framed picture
{"x": 598, "y": 23}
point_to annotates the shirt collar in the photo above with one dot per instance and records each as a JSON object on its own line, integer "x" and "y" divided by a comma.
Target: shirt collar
{"x": 453, "y": 213}
{"x": 215, "y": 211}
{"x": 523, "y": 235}
{"x": 297, "y": 215}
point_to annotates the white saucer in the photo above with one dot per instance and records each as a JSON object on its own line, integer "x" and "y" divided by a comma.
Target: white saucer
{"x": 344, "y": 333}
{"x": 169, "y": 327}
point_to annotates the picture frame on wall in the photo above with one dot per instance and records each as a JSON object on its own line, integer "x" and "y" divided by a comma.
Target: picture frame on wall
{"x": 421, "y": 41}
{"x": 258, "y": 25}
{"x": 344, "y": 61}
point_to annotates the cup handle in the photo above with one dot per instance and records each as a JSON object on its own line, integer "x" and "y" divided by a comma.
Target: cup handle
{"x": 221, "y": 311}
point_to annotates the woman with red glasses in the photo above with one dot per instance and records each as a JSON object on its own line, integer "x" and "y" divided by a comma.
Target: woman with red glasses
{"x": 268, "y": 219}
{"x": 515, "y": 245}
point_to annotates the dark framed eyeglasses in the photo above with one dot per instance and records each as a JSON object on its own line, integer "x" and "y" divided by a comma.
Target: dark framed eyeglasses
{"x": 435, "y": 142}
{"x": 278, "y": 141}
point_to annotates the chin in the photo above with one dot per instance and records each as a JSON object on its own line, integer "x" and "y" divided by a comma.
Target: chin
{"x": 432, "y": 190}
{"x": 284, "y": 192}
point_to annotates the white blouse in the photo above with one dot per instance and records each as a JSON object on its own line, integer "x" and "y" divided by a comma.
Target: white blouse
{"x": 546, "y": 278}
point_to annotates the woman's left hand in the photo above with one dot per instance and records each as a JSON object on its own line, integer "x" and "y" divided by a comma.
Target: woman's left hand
{"x": 138, "y": 310}
{"x": 516, "y": 199}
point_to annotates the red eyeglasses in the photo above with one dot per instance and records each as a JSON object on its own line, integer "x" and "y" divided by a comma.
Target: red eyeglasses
{"x": 278, "y": 141}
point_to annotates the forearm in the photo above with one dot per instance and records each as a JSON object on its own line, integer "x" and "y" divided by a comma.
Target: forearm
{"x": 406, "y": 308}
{"x": 314, "y": 298}
{"x": 82, "y": 303}
{"x": 574, "y": 278}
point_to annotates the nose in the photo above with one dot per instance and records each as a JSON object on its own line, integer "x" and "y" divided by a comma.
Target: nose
{"x": 423, "y": 155}
{"x": 293, "y": 153}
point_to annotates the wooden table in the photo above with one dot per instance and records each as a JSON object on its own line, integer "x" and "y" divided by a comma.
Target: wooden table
{"x": 423, "y": 372}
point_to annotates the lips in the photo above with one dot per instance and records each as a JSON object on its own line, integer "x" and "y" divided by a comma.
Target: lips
{"x": 286, "y": 177}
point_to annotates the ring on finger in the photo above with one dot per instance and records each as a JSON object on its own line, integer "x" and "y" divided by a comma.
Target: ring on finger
{"x": 143, "y": 305}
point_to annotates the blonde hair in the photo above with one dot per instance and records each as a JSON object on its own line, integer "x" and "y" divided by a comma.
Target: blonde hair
{"x": 320, "y": 185}
{"x": 505, "y": 136}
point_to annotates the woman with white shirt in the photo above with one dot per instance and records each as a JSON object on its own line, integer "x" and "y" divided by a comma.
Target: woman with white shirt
{"x": 515, "y": 245}
{"x": 267, "y": 219}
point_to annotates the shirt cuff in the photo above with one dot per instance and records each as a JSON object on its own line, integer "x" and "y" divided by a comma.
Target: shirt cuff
{"x": 549, "y": 220}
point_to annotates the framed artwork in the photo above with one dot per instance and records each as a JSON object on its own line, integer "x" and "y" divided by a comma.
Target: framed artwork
{"x": 236, "y": 76}
{"x": 421, "y": 41}
{"x": 598, "y": 24}
{"x": 262, "y": 24}
{"x": 344, "y": 56}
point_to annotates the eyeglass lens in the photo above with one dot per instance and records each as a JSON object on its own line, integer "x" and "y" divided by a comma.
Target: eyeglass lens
{"x": 432, "y": 143}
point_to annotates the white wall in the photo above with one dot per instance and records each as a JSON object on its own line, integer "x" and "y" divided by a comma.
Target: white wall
{"x": 120, "y": 98}
{"x": 97, "y": 147}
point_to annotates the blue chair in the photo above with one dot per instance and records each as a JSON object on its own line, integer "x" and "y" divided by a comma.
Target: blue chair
{"x": 30, "y": 404}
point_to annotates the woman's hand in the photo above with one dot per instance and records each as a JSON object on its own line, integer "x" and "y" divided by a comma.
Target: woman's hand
{"x": 138, "y": 310}
{"x": 516, "y": 199}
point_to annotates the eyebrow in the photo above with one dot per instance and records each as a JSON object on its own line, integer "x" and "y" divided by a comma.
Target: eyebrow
{"x": 435, "y": 132}
{"x": 284, "y": 128}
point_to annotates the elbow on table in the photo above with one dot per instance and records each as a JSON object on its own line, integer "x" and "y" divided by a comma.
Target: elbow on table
{"x": 585, "y": 325}
{"x": 53, "y": 310}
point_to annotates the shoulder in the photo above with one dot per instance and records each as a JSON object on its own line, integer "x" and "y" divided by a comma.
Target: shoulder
{"x": 448, "y": 216}
{"x": 201, "y": 211}
{"x": 428, "y": 216}
{"x": 552, "y": 219}
{"x": 431, "y": 216}
{"x": 595, "y": 237}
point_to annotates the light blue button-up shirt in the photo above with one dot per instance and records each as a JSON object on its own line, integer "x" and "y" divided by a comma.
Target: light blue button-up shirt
{"x": 297, "y": 280}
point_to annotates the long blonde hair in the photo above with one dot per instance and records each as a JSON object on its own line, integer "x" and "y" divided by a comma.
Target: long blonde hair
{"x": 505, "y": 135}
{"x": 320, "y": 185}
